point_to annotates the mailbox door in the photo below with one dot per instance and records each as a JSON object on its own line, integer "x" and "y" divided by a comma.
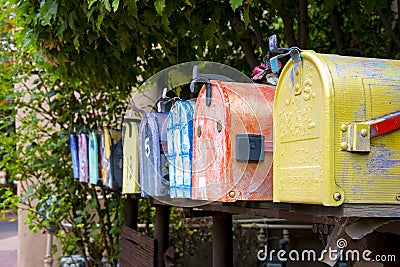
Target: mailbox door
{"x": 251, "y": 133}
{"x": 153, "y": 172}
{"x": 105, "y": 156}
{"x": 83, "y": 158}
{"x": 212, "y": 145}
{"x": 100, "y": 151}
{"x": 163, "y": 184}
{"x": 180, "y": 148}
{"x": 73, "y": 141}
{"x": 303, "y": 133}
{"x": 93, "y": 159}
{"x": 116, "y": 160}
{"x": 102, "y": 157}
{"x": 131, "y": 154}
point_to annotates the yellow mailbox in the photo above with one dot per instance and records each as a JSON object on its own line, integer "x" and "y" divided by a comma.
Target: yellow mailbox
{"x": 336, "y": 137}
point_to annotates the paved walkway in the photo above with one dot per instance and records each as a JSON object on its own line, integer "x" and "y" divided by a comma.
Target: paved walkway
{"x": 8, "y": 242}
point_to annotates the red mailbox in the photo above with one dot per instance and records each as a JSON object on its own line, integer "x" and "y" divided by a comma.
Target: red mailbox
{"x": 232, "y": 157}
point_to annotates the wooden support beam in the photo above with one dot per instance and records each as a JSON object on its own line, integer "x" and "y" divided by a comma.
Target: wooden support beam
{"x": 131, "y": 209}
{"x": 222, "y": 240}
{"x": 161, "y": 233}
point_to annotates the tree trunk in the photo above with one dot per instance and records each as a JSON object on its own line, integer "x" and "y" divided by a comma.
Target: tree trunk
{"x": 257, "y": 31}
{"x": 337, "y": 30}
{"x": 246, "y": 44}
{"x": 248, "y": 50}
{"x": 288, "y": 25}
{"x": 303, "y": 23}
{"x": 388, "y": 28}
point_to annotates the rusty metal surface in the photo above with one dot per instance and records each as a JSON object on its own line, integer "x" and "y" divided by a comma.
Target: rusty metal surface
{"x": 235, "y": 108}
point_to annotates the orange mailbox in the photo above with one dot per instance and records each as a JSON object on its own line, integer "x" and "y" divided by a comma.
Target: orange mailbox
{"x": 232, "y": 157}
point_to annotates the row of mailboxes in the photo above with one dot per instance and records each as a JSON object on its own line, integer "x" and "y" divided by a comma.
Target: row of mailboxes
{"x": 327, "y": 134}
{"x": 97, "y": 158}
{"x": 209, "y": 149}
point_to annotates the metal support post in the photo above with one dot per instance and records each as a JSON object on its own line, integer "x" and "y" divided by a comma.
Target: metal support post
{"x": 48, "y": 260}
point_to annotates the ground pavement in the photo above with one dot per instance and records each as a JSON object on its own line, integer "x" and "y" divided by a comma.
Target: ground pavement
{"x": 8, "y": 242}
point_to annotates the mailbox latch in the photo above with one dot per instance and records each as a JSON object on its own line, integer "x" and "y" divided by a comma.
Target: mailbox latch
{"x": 357, "y": 136}
{"x": 252, "y": 147}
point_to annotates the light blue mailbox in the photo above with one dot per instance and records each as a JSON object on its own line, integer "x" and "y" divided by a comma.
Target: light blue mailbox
{"x": 180, "y": 148}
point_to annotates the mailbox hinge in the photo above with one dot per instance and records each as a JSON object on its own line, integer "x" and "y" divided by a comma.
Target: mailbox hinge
{"x": 357, "y": 136}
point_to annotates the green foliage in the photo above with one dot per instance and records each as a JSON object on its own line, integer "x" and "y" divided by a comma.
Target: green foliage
{"x": 68, "y": 63}
{"x": 146, "y": 216}
{"x": 235, "y": 3}
{"x": 85, "y": 219}
{"x": 187, "y": 234}
{"x": 159, "y": 5}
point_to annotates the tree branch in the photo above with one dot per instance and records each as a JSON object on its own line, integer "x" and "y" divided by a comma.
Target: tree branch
{"x": 337, "y": 30}
{"x": 246, "y": 44}
{"x": 288, "y": 25}
{"x": 303, "y": 23}
{"x": 388, "y": 28}
{"x": 260, "y": 39}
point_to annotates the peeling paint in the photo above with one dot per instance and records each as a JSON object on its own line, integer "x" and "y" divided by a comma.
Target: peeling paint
{"x": 236, "y": 108}
{"x": 348, "y": 91}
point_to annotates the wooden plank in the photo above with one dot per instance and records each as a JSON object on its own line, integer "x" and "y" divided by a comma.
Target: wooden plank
{"x": 349, "y": 210}
{"x": 136, "y": 249}
{"x": 268, "y": 212}
{"x": 281, "y": 210}
{"x": 302, "y": 212}
{"x": 135, "y": 256}
{"x": 143, "y": 240}
{"x": 371, "y": 210}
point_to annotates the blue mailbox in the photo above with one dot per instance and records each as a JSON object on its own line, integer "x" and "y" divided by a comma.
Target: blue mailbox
{"x": 180, "y": 148}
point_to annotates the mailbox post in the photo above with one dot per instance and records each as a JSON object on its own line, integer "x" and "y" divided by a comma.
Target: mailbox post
{"x": 222, "y": 240}
{"x": 161, "y": 232}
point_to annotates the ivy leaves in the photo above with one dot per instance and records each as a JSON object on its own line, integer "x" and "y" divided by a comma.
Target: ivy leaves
{"x": 48, "y": 11}
{"x": 109, "y": 43}
{"x": 159, "y": 5}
